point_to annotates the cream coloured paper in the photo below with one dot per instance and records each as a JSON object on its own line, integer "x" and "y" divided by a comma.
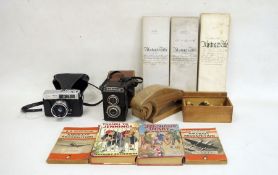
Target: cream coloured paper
{"x": 184, "y": 53}
{"x": 214, "y": 43}
{"x": 155, "y": 45}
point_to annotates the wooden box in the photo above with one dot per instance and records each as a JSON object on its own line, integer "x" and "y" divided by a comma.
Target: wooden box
{"x": 214, "y": 107}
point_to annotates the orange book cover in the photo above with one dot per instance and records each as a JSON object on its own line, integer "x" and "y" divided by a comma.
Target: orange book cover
{"x": 74, "y": 145}
{"x": 202, "y": 146}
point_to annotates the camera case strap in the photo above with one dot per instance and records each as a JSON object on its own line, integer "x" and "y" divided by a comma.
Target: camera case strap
{"x": 66, "y": 81}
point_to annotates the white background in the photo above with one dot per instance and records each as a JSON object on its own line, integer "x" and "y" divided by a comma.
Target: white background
{"x": 41, "y": 38}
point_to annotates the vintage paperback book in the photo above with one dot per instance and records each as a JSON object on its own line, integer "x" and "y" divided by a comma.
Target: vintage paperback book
{"x": 116, "y": 143}
{"x": 202, "y": 146}
{"x": 155, "y": 45}
{"x": 184, "y": 53}
{"x": 160, "y": 144}
{"x": 74, "y": 145}
{"x": 214, "y": 44}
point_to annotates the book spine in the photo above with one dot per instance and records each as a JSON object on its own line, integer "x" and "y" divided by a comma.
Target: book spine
{"x": 184, "y": 53}
{"x": 155, "y": 45}
{"x": 214, "y": 43}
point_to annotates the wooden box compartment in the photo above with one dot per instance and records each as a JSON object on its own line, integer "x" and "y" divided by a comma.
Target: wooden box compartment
{"x": 214, "y": 107}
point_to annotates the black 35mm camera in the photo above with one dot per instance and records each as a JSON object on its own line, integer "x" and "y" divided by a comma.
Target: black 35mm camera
{"x": 117, "y": 96}
{"x": 62, "y": 103}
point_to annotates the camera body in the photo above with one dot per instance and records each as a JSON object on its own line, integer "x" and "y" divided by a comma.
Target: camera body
{"x": 115, "y": 101}
{"x": 63, "y": 103}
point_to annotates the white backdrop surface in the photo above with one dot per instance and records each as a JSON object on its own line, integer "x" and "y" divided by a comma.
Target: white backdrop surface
{"x": 41, "y": 38}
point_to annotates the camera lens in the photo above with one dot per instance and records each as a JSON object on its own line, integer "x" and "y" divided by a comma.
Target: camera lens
{"x": 113, "y": 100}
{"x": 113, "y": 111}
{"x": 59, "y": 109}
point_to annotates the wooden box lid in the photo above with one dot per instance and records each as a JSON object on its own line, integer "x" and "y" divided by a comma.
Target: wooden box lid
{"x": 205, "y": 94}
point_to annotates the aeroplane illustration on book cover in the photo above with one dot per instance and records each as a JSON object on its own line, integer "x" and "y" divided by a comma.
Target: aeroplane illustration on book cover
{"x": 74, "y": 145}
{"x": 160, "y": 140}
{"x": 116, "y": 139}
{"x": 202, "y": 146}
{"x": 206, "y": 145}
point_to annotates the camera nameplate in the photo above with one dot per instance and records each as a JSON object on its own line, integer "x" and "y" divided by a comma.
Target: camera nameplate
{"x": 61, "y": 94}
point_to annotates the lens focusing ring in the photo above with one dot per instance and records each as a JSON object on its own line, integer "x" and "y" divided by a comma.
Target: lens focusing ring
{"x": 113, "y": 111}
{"x": 112, "y": 100}
{"x": 61, "y": 105}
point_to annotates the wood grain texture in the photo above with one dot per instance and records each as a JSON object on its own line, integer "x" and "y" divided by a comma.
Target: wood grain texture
{"x": 221, "y": 110}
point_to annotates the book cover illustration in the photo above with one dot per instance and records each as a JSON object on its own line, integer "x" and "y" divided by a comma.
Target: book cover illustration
{"x": 160, "y": 140}
{"x": 73, "y": 145}
{"x": 202, "y": 145}
{"x": 117, "y": 139}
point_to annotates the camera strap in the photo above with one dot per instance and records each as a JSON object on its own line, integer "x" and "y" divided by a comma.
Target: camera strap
{"x": 80, "y": 81}
{"x": 65, "y": 81}
{"x": 109, "y": 76}
{"x": 94, "y": 104}
{"x": 132, "y": 81}
{"x": 27, "y": 108}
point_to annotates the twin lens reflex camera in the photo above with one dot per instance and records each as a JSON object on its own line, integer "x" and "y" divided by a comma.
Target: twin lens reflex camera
{"x": 117, "y": 96}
